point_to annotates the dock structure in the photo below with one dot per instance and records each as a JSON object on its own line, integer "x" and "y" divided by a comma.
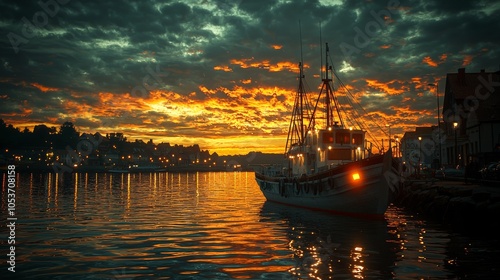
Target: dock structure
{"x": 469, "y": 207}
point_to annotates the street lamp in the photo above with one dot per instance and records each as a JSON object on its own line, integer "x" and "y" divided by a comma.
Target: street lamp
{"x": 419, "y": 154}
{"x": 439, "y": 123}
{"x": 397, "y": 148}
{"x": 388, "y": 125}
{"x": 455, "y": 126}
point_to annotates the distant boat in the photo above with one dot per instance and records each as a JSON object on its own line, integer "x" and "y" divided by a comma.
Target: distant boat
{"x": 160, "y": 169}
{"x": 136, "y": 168}
{"x": 329, "y": 166}
{"x": 144, "y": 167}
{"x": 118, "y": 171}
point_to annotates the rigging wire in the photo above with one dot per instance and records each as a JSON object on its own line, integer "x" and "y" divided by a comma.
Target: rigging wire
{"x": 357, "y": 119}
{"x": 353, "y": 103}
{"x": 301, "y": 107}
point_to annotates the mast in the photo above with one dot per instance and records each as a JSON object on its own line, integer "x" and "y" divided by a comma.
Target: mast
{"x": 326, "y": 81}
{"x": 301, "y": 90}
{"x": 301, "y": 93}
{"x": 296, "y": 129}
{"x": 331, "y": 104}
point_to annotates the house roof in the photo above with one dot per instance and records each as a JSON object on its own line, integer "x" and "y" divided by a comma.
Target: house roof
{"x": 478, "y": 91}
{"x": 424, "y": 131}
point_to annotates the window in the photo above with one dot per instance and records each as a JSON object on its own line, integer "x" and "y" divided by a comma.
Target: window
{"x": 342, "y": 137}
{"x": 357, "y": 138}
{"x": 327, "y": 137}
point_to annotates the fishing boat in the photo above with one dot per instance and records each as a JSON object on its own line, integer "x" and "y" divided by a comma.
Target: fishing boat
{"x": 117, "y": 170}
{"x": 329, "y": 165}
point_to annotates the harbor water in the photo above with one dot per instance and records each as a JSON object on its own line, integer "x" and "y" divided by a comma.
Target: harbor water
{"x": 217, "y": 225}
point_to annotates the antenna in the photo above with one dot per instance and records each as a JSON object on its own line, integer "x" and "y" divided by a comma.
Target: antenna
{"x": 321, "y": 50}
{"x": 300, "y": 34}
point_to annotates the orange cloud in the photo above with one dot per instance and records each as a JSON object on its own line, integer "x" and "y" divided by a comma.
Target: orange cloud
{"x": 419, "y": 84}
{"x": 429, "y": 61}
{"x": 280, "y": 66}
{"x": 105, "y": 96}
{"x": 205, "y": 90}
{"x": 277, "y": 47}
{"x": 26, "y": 111}
{"x": 245, "y": 119}
{"x": 245, "y": 112}
{"x": 386, "y": 46}
{"x": 266, "y": 64}
{"x": 43, "y": 88}
{"x": 388, "y": 87}
{"x": 224, "y": 68}
{"x": 467, "y": 60}
{"x": 229, "y": 120}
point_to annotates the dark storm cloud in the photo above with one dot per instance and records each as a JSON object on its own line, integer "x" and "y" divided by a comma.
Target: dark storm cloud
{"x": 81, "y": 49}
{"x": 100, "y": 42}
{"x": 418, "y": 30}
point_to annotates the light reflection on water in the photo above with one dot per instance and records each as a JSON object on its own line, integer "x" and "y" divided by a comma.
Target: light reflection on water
{"x": 218, "y": 225}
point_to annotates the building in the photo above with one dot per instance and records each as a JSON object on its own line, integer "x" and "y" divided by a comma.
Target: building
{"x": 420, "y": 148}
{"x": 471, "y": 116}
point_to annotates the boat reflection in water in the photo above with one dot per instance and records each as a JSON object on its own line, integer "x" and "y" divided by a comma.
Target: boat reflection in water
{"x": 328, "y": 246}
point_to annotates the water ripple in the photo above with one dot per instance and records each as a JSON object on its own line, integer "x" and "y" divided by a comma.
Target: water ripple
{"x": 218, "y": 225}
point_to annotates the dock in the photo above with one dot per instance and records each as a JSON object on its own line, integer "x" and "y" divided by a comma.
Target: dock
{"x": 468, "y": 207}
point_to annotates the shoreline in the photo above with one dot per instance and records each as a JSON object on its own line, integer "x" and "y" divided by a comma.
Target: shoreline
{"x": 473, "y": 207}
{"x": 99, "y": 169}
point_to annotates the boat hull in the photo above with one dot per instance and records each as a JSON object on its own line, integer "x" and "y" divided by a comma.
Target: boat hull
{"x": 357, "y": 188}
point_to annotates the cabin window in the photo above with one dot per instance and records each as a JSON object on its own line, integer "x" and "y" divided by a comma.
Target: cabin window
{"x": 342, "y": 137}
{"x": 327, "y": 138}
{"x": 357, "y": 139}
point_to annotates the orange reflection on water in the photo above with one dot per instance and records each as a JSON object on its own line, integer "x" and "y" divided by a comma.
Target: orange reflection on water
{"x": 247, "y": 272}
{"x": 357, "y": 263}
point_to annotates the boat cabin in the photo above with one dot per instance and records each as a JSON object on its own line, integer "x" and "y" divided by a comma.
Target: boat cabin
{"x": 326, "y": 148}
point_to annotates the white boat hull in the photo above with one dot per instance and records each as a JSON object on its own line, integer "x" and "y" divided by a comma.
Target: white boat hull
{"x": 336, "y": 190}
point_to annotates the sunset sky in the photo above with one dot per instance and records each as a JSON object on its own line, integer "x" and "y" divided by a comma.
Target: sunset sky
{"x": 222, "y": 74}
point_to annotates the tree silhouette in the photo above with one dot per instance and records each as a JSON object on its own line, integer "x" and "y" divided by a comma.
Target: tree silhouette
{"x": 43, "y": 136}
{"x": 25, "y": 146}
{"x": 68, "y": 135}
{"x": 11, "y": 136}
